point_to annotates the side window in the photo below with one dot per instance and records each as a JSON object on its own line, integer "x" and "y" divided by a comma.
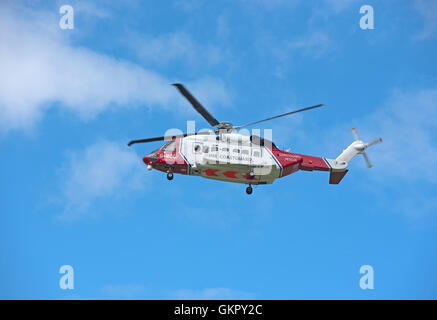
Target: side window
{"x": 225, "y": 149}
{"x": 197, "y": 148}
{"x": 256, "y": 153}
{"x": 246, "y": 152}
{"x": 236, "y": 150}
{"x": 214, "y": 148}
{"x": 205, "y": 149}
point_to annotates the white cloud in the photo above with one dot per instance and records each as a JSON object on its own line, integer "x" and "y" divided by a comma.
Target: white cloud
{"x": 338, "y": 6}
{"x": 403, "y": 179}
{"x": 223, "y": 27}
{"x": 210, "y": 92}
{"x": 174, "y": 46}
{"x": 407, "y": 126}
{"x": 428, "y": 10}
{"x": 314, "y": 44}
{"x": 211, "y": 294}
{"x": 271, "y": 4}
{"x": 39, "y": 68}
{"x": 406, "y": 123}
{"x": 92, "y": 9}
{"x": 103, "y": 170}
{"x": 328, "y": 7}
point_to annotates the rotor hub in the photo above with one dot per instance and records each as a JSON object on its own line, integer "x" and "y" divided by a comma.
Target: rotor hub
{"x": 224, "y": 125}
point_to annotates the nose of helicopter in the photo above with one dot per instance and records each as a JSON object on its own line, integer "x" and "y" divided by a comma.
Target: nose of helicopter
{"x": 150, "y": 158}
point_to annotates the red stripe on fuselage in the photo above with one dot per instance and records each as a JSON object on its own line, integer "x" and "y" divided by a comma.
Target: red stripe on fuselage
{"x": 230, "y": 174}
{"x": 211, "y": 172}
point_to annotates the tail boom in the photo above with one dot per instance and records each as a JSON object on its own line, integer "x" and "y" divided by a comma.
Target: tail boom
{"x": 292, "y": 162}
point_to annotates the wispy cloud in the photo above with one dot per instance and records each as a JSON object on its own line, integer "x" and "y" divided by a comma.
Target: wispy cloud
{"x": 271, "y": 4}
{"x": 338, "y": 6}
{"x": 103, "y": 170}
{"x": 404, "y": 164}
{"x": 95, "y": 9}
{"x": 211, "y": 294}
{"x": 405, "y": 121}
{"x": 407, "y": 125}
{"x": 40, "y": 67}
{"x": 211, "y": 91}
{"x": 177, "y": 46}
{"x": 328, "y": 6}
{"x": 428, "y": 11}
{"x": 314, "y": 44}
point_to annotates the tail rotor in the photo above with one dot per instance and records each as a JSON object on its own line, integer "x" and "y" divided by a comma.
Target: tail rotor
{"x": 338, "y": 167}
{"x": 360, "y": 146}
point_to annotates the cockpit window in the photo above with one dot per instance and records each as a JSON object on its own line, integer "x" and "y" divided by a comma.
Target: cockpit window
{"x": 169, "y": 146}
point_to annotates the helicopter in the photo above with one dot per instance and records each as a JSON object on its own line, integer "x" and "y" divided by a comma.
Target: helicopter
{"x": 224, "y": 155}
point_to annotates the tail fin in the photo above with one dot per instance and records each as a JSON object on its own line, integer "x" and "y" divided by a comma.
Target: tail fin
{"x": 339, "y": 165}
{"x": 336, "y": 176}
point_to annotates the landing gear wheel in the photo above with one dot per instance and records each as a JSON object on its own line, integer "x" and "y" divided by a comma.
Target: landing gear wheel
{"x": 249, "y": 190}
{"x": 170, "y": 176}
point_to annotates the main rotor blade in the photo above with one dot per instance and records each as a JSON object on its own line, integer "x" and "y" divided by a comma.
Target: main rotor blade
{"x": 281, "y": 115}
{"x": 168, "y": 137}
{"x": 196, "y": 104}
{"x": 145, "y": 140}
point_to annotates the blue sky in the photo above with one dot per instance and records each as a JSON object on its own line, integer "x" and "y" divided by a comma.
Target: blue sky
{"x": 74, "y": 193}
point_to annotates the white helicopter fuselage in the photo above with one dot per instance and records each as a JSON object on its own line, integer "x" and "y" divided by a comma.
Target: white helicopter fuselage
{"x": 230, "y": 157}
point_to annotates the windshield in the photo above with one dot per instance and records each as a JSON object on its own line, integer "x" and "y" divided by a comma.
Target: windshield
{"x": 169, "y": 146}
